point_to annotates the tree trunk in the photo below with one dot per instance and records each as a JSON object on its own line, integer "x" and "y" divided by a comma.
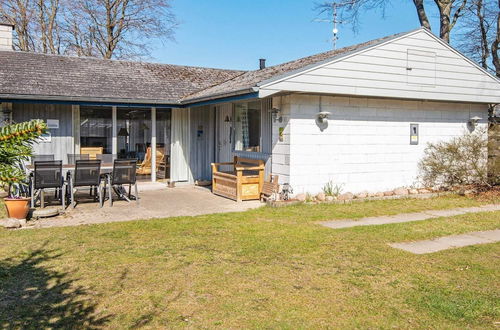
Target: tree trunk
{"x": 422, "y": 16}
{"x": 495, "y": 45}
{"x": 444, "y": 19}
{"x": 484, "y": 34}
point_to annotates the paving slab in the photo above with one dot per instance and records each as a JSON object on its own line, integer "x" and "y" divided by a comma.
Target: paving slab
{"x": 156, "y": 201}
{"x": 449, "y": 242}
{"x": 408, "y": 217}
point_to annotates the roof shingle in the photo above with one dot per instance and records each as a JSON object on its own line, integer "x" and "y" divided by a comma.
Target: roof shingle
{"x": 68, "y": 77}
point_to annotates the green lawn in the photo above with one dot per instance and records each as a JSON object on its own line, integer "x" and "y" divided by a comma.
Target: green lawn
{"x": 265, "y": 268}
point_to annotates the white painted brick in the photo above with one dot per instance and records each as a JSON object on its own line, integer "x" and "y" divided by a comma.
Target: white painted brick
{"x": 364, "y": 152}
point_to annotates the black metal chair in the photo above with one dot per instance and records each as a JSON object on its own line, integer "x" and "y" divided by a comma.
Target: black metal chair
{"x": 72, "y": 158}
{"x": 87, "y": 174}
{"x": 47, "y": 175}
{"x": 41, "y": 158}
{"x": 123, "y": 174}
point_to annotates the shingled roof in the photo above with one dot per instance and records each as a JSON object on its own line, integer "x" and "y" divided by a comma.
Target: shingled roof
{"x": 30, "y": 75}
{"x": 26, "y": 75}
{"x": 251, "y": 79}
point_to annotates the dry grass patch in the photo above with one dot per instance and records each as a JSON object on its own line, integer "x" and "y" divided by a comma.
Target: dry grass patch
{"x": 262, "y": 268}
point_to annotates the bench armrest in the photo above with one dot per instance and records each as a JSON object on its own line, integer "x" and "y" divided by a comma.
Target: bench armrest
{"x": 249, "y": 168}
{"x": 219, "y": 164}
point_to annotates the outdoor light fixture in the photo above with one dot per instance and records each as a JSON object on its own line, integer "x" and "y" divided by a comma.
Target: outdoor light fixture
{"x": 474, "y": 120}
{"x": 323, "y": 116}
{"x": 276, "y": 113}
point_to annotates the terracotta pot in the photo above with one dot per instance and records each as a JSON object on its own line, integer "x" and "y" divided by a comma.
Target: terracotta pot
{"x": 17, "y": 207}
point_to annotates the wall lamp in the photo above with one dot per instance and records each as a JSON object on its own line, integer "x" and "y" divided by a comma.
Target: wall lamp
{"x": 323, "y": 116}
{"x": 474, "y": 121}
{"x": 276, "y": 113}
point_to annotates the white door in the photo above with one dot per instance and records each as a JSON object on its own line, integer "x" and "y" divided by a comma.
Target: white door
{"x": 180, "y": 145}
{"x": 224, "y": 114}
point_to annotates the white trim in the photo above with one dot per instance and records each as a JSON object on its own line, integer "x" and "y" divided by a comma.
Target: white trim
{"x": 153, "y": 144}
{"x": 114, "y": 139}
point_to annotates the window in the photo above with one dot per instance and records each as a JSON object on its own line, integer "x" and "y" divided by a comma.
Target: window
{"x": 95, "y": 128}
{"x": 247, "y": 126}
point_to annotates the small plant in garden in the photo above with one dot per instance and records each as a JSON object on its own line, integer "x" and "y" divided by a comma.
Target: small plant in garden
{"x": 332, "y": 189}
{"x": 16, "y": 146}
{"x": 460, "y": 161}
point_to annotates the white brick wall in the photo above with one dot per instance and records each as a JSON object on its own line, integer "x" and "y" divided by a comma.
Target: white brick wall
{"x": 367, "y": 143}
{"x": 5, "y": 37}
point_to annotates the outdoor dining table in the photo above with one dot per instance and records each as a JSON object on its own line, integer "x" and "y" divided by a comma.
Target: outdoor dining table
{"x": 106, "y": 168}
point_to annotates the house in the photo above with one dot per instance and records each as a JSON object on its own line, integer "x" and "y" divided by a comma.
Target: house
{"x": 359, "y": 116}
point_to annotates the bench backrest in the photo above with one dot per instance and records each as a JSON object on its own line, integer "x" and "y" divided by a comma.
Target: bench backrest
{"x": 241, "y": 161}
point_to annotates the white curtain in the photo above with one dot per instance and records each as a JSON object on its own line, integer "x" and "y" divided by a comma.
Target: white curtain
{"x": 180, "y": 145}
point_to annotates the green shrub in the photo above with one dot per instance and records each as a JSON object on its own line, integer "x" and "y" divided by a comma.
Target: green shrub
{"x": 460, "y": 161}
{"x": 16, "y": 146}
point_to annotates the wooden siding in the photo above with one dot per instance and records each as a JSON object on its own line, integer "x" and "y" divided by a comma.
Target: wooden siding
{"x": 62, "y": 138}
{"x": 202, "y": 142}
{"x": 416, "y": 66}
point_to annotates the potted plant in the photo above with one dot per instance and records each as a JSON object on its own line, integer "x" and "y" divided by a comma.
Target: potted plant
{"x": 16, "y": 146}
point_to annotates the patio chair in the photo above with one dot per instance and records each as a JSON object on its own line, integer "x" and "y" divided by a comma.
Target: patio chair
{"x": 124, "y": 173}
{"x": 47, "y": 175}
{"x": 72, "y": 158}
{"x": 87, "y": 174}
{"x": 41, "y": 158}
{"x": 145, "y": 166}
{"x": 106, "y": 158}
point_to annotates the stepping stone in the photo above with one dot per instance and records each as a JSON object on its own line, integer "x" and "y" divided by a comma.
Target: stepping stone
{"x": 408, "y": 217}
{"x": 449, "y": 242}
{"x": 45, "y": 213}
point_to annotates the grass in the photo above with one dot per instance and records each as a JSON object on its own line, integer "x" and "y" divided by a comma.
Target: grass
{"x": 3, "y": 210}
{"x": 265, "y": 268}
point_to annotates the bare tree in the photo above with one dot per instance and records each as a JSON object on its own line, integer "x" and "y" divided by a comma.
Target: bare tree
{"x": 21, "y": 14}
{"x": 449, "y": 12}
{"x": 496, "y": 44}
{"x": 119, "y": 28}
{"x": 477, "y": 31}
{"x": 50, "y": 33}
{"x": 102, "y": 28}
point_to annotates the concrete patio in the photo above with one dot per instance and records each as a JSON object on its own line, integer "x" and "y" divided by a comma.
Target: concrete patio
{"x": 156, "y": 201}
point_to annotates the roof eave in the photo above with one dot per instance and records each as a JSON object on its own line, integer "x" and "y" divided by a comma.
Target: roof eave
{"x": 243, "y": 91}
{"x": 97, "y": 100}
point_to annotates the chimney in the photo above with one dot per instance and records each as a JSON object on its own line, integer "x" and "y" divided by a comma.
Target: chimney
{"x": 6, "y": 31}
{"x": 262, "y": 63}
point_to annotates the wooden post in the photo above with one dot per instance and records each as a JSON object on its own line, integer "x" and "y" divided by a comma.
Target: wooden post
{"x": 75, "y": 115}
{"x": 239, "y": 190}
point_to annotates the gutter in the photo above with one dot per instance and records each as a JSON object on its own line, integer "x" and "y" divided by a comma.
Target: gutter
{"x": 50, "y": 99}
{"x": 243, "y": 94}
{"x": 220, "y": 95}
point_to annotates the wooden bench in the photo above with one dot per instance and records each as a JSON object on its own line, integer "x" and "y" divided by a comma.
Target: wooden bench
{"x": 243, "y": 183}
